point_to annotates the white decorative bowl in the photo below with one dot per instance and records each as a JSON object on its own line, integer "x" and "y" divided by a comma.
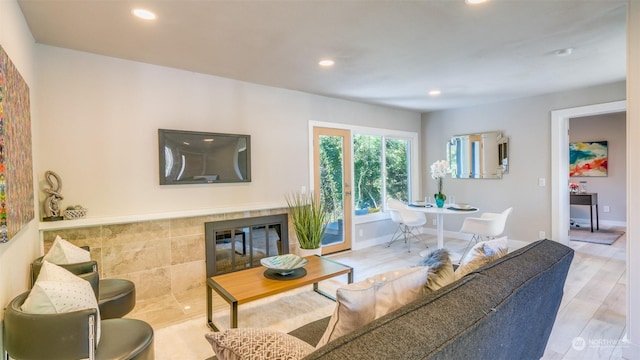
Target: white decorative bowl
{"x": 463, "y": 206}
{"x": 284, "y": 264}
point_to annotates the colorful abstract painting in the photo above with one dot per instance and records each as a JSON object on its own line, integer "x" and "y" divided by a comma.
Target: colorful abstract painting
{"x": 588, "y": 158}
{"x": 16, "y": 169}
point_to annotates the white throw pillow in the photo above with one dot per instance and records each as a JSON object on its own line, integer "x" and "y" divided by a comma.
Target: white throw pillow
{"x": 499, "y": 246}
{"x": 64, "y": 252}
{"x": 362, "y": 302}
{"x": 254, "y": 344}
{"x": 59, "y": 291}
{"x": 481, "y": 254}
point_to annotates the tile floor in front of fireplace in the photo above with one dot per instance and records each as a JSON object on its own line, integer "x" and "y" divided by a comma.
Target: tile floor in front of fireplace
{"x": 593, "y": 306}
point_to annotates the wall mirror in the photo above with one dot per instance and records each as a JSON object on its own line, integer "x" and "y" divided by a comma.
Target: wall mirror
{"x": 478, "y": 156}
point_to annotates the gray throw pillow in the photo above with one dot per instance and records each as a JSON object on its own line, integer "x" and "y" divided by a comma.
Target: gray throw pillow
{"x": 440, "y": 269}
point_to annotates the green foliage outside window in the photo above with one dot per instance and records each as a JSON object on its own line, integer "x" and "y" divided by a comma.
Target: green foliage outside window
{"x": 367, "y": 168}
{"x": 369, "y": 160}
{"x": 331, "y": 157}
{"x": 397, "y": 175}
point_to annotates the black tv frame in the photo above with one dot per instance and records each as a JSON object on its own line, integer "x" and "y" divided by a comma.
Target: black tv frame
{"x": 162, "y": 136}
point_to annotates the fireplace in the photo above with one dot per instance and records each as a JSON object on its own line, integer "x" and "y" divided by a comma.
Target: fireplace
{"x": 232, "y": 245}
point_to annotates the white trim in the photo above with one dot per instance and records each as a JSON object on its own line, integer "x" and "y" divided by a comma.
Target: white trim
{"x": 359, "y": 245}
{"x": 360, "y": 129}
{"x": 630, "y": 351}
{"x": 70, "y": 224}
{"x": 369, "y": 218}
{"x": 585, "y": 222}
{"x": 560, "y": 159}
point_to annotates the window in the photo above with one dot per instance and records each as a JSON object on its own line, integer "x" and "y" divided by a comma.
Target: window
{"x": 384, "y": 164}
{"x": 377, "y": 167}
{"x": 367, "y": 169}
{"x": 397, "y": 167}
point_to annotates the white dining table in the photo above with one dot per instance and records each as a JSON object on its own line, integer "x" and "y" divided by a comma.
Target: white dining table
{"x": 448, "y": 209}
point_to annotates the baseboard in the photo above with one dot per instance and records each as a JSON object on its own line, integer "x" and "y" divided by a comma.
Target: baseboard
{"x": 629, "y": 350}
{"x": 359, "y": 245}
{"x": 363, "y": 244}
{"x": 584, "y": 223}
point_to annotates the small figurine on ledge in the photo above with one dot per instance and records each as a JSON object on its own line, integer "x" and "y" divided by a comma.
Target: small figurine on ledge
{"x": 74, "y": 212}
{"x": 51, "y": 206}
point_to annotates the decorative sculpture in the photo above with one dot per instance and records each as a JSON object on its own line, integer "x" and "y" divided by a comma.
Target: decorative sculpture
{"x": 51, "y": 206}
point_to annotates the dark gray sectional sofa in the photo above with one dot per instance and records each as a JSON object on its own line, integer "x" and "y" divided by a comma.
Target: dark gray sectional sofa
{"x": 504, "y": 310}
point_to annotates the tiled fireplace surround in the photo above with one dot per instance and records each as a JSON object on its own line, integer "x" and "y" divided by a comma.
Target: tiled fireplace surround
{"x": 162, "y": 257}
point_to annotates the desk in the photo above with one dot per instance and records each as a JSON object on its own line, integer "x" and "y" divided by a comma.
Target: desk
{"x": 440, "y": 212}
{"x": 590, "y": 199}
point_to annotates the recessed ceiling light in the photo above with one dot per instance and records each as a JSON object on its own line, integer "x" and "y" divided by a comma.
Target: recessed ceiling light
{"x": 564, "y": 52}
{"x": 475, "y": 2}
{"x": 326, "y": 62}
{"x": 143, "y": 14}
{"x": 435, "y": 92}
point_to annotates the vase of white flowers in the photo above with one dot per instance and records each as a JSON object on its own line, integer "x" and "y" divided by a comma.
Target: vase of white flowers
{"x": 439, "y": 170}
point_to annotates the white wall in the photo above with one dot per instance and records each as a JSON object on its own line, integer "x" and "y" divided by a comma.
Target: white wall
{"x": 102, "y": 116}
{"x": 632, "y": 351}
{"x": 611, "y": 189}
{"x": 527, "y": 124}
{"x": 16, "y": 254}
{"x": 95, "y": 121}
{"x": 529, "y": 141}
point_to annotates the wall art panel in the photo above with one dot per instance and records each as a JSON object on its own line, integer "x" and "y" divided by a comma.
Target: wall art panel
{"x": 588, "y": 158}
{"x": 16, "y": 166}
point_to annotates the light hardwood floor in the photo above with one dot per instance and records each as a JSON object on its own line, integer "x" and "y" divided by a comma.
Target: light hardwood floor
{"x": 590, "y": 322}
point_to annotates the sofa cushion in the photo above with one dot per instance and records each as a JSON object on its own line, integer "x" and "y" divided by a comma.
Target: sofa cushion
{"x": 440, "y": 269}
{"x": 481, "y": 254}
{"x": 480, "y": 316}
{"x": 237, "y": 344}
{"x": 58, "y": 291}
{"x": 360, "y": 303}
{"x": 64, "y": 252}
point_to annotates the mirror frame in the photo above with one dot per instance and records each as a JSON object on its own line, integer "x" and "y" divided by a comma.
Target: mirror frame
{"x": 476, "y": 145}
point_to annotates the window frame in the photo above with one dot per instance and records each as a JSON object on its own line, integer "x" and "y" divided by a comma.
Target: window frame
{"x": 413, "y": 160}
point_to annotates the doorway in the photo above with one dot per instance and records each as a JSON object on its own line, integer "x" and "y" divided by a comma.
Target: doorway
{"x": 332, "y": 185}
{"x": 560, "y": 160}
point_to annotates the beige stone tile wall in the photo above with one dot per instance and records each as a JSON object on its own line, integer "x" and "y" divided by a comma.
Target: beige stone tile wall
{"x": 162, "y": 257}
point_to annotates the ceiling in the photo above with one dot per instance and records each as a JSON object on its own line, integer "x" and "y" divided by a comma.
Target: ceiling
{"x": 386, "y": 52}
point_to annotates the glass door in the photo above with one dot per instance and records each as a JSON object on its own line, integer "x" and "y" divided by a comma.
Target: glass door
{"x": 332, "y": 184}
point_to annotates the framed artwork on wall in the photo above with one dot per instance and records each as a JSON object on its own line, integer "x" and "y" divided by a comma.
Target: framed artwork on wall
{"x": 16, "y": 166}
{"x": 588, "y": 158}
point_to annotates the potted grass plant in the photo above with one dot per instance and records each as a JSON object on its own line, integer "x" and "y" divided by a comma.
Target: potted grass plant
{"x": 309, "y": 222}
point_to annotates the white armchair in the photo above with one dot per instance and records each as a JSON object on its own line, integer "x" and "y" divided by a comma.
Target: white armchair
{"x": 408, "y": 222}
{"x": 485, "y": 227}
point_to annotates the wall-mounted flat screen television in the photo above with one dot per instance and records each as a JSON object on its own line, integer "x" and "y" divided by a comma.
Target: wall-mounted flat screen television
{"x": 190, "y": 157}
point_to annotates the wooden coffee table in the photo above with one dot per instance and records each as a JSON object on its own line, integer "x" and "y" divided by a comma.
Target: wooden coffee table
{"x": 244, "y": 286}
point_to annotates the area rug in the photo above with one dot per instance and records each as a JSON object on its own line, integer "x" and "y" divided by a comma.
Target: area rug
{"x": 602, "y": 236}
{"x": 283, "y": 312}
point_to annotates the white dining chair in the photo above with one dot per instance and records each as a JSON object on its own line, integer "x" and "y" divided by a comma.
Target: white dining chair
{"x": 485, "y": 227}
{"x": 408, "y": 222}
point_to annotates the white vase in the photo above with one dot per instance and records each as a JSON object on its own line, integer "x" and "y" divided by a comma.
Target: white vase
{"x": 309, "y": 252}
